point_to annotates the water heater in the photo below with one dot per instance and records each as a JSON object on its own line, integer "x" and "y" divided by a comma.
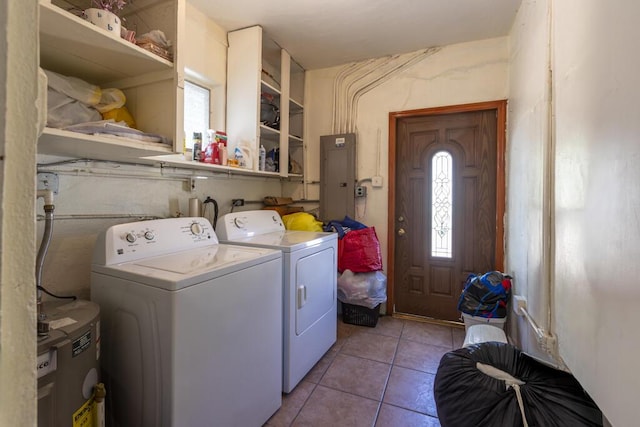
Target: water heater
{"x": 68, "y": 363}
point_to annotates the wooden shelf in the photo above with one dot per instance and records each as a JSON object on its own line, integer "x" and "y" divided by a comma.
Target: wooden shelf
{"x": 266, "y": 87}
{"x": 73, "y": 144}
{"x": 177, "y": 160}
{"x": 295, "y": 140}
{"x": 72, "y": 46}
{"x": 295, "y": 107}
{"x": 269, "y": 133}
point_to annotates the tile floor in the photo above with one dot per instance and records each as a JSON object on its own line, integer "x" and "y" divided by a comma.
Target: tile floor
{"x": 380, "y": 377}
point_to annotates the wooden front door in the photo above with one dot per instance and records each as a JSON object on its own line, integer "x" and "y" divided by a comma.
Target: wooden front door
{"x": 448, "y": 202}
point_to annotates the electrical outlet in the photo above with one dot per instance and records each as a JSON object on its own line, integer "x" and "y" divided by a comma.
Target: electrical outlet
{"x": 361, "y": 191}
{"x": 191, "y": 185}
{"x": 376, "y": 181}
{"x": 237, "y": 202}
{"x": 519, "y": 302}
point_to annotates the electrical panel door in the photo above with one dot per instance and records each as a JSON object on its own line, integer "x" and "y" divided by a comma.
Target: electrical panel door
{"x": 337, "y": 176}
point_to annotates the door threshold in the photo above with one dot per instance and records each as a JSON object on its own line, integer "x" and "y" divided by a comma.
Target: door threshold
{"x": 431, "y": 320}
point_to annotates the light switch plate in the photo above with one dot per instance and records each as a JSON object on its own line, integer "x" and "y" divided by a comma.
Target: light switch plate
{"x": 376, "y": 181}
{"x": 519, "y": 303}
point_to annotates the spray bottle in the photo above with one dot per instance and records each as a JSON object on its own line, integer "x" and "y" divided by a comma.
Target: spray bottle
{"x": 262, "y": 158}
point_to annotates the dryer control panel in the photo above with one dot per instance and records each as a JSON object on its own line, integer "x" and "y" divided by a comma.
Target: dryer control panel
{"x": 238, "y": 225}
{"x": 143, "y": 239}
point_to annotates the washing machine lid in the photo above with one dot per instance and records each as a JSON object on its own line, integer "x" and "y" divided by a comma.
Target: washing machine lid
{"x": 187, "y": 268}
{"x": 287, "y": 241}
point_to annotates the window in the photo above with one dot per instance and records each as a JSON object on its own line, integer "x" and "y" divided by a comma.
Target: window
{"x": 197, "y": 100}
{"x": 441, "y": 204}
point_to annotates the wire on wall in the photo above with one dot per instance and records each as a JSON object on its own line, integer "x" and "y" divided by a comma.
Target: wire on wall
{"x": 357, "y": 79}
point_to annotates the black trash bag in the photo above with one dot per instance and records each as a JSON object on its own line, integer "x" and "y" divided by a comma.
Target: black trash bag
{"x": 486, "y": 295}
{"x": 467, "y": 397}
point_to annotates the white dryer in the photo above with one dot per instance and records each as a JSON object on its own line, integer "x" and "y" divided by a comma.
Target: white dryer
{"x": 309, "y": 285}
{"x": 191, "y": 329}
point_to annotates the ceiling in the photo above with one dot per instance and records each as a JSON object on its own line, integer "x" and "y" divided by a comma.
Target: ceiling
{"x": 320, "y": 34}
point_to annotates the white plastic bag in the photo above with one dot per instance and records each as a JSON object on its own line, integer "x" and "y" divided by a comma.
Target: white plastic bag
{"x": 74, "y": 88}
{"x": 63, "y": 111}
{"x": 72, "y": 100}
{"x": 111, "y": 99}
{"x": 364, "y": 289}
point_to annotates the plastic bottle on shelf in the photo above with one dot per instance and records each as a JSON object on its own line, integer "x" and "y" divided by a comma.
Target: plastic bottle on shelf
{"x": 197, "y": 146}
{"x": 224, "y": 156}
{"x": 239, "y": 157}
{"x": 221, "y": 140}
{"x": 211, "y": 152}
{"x": 262, "y": 158}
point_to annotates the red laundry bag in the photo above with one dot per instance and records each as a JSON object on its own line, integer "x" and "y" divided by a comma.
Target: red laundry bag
{"x": 359, "y": 251}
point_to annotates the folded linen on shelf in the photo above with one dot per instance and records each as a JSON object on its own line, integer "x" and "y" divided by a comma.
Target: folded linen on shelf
{"x": 119, "y": 129}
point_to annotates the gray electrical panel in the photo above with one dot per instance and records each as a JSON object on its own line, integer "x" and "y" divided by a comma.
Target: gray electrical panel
{"x": 337, "y": 176}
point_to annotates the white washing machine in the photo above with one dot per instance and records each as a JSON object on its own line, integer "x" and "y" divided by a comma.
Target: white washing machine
{"x": 309, "y": 285}
{"x": 191, "y": 329}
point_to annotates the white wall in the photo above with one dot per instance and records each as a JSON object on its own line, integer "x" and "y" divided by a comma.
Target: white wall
{"x": 206, "y": 60}
{"x": 18, "y": 135}
{"x": 594, "y": 200}
{"x": 528, "y": 170}
{"x": 457, "y": 74}
{"x": 597, "y": 88}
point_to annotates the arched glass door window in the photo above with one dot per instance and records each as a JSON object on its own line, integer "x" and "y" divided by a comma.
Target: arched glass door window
{"x": 441, "y": 204}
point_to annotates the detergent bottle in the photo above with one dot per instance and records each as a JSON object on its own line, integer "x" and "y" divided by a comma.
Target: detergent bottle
{"x": 240, "y": 161}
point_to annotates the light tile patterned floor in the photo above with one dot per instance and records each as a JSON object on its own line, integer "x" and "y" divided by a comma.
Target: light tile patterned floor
{"x": 380, "y": 377}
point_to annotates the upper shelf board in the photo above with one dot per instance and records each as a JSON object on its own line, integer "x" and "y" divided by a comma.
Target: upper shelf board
{"x": 72, "y": 46}
{"x": 98, "y": 147}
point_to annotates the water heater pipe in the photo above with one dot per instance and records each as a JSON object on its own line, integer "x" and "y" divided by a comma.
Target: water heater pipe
{"x": 49, "y": 207}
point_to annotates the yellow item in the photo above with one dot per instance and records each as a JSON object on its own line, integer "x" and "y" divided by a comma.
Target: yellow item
{"x": 301, "y": 221}
{"x": 120, "y": 115}
{"x": 110, "y": 99}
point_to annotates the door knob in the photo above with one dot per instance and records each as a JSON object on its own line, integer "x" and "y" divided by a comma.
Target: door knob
{"x": 401, "y": 232}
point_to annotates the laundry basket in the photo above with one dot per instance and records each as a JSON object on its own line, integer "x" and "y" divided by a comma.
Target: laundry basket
{"x": 359, "y": 315}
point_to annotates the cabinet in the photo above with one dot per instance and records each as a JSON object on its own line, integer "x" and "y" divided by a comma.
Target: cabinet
{"x": 261, "y": 75}
{"x": 153, "y": 86}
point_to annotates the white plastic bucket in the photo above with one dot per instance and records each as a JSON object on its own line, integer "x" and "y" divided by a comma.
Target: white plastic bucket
{"x": 483, "y": 333}
{"x": 477, "y": 320}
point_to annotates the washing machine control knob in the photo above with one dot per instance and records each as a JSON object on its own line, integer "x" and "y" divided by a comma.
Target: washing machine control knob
{"x": 149, "y": 235}
{"x": 239, "y": 222}
{"x": 130, "y": 237}
{"x": 196, "y": 229}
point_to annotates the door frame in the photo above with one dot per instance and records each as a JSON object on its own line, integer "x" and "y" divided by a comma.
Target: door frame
{"x": 501, "y": 110}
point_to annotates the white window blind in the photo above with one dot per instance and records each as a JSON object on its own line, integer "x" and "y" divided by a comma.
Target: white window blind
{"x": 196, "y": 111}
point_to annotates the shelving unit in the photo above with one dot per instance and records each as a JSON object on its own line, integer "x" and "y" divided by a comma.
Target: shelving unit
{"x": 297, "y": 148}
{"x": 257, "y": 66}
{"x": 71, "y": 46}
{"x": 153, "y": 86}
